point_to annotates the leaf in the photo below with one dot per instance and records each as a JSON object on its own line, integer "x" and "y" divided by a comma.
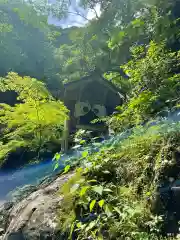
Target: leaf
{"x": 101, "y": 203}
{"x": 56, "y": 166}
{"x": 107, "y": 190}
{"x": 92, "y": 181}
{"x": 78, "y": 225}
{"x": 85, "y": 154}
{"x": 117, "y": 210}
{"x": 108, "y": 210}
{"x": 92, "y": 204}
{"x": 66, "y": 169}
{"x": 83, "y": 191}
{"x": 56, "y": 157}
{"x": 100, "y": 238}
{"x": 106, "y": 160}
{"x": 79, "y": 170}
{"x": 90, "y": 226}
{"x": 148, "y": 194}
{"x": 137, "y": 22}
{"x": 82, "y": 142}
{"x": 72, "y": 229}
{"x": 76, "y": 147}
{"x": 74, "y": 188}
{"x": 98, "y": 166}
{"x": 106, "y": 172}
{"x": 98, "y": 189}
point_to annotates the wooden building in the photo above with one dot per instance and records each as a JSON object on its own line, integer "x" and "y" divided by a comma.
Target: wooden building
{"x": 87, "y": 99}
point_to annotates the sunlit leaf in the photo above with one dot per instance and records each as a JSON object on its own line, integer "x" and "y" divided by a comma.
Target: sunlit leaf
{"x": 92, "y": 181}
{"x": 82, "y": 142}
{"x": 74, "y": 188}
{"x": 57, "y": 156}
{"x": 107, "y": 190}
{"x": 101, "y": 203}
{"x": 83, "y": 191}
{"x": 98, "y": 189}
{"x": 85, "y": 154}
{"x": 92, "y": 204}
{"x": 56, "y": 166}
{"x": 67, "y": 168}
{"x": 78, "y": 225}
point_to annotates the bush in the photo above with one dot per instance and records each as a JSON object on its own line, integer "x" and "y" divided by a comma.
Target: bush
{"x": 28, "y": 124}
{"x": 112, "y": 196}
{"x": 155, "y": 86}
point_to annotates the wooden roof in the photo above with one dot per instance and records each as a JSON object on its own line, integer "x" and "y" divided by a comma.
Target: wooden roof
{"x": 94, "y": 77}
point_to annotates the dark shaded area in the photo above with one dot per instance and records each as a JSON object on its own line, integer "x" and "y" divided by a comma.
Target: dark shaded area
{"x": 167, "y": 200}
{"x": 8, "y": 97}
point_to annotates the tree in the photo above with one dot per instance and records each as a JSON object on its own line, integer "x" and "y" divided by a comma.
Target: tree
{"x": 155, "y": 85}
{"x": 26, "y": 44}
{"x": 104, "y": 43}
{"x": 36, "y": 120}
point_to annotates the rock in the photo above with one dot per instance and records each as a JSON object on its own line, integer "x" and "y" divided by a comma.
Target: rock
{"x": 33, "y": 217}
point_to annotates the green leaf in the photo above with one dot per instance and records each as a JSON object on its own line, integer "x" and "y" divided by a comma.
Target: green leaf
{"x": 82, "y": 142}
{"x": 56, "y": 157}
{"x": 56, "y": 166}
{"x": 92, "y": 204}
{"x": 85, "y": 154}
{"x": 148, "y": 194}
{"x": 72, "y": 229}
{"x": 101, "y": 203}
{"x": 108, "y": 210}
{"x": 78, "y": 225}
{"x": 107, "y": 190}
{"x": 90, "y": 226}
{"x": 117, "y": 210}
{"x": 66, "y": 169}
{"x": 137, "y": 22}
{"x": 74, "y": 188}
{"x": 83, "y": 191}
{"x": 92, "y": 181}
{"x": 98, "y": 189}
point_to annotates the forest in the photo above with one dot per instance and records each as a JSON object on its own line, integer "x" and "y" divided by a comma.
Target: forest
{"x": 114, "y": 193}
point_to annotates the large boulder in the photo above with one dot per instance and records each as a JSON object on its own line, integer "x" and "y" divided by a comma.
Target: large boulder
{"x": 32, "y": 214}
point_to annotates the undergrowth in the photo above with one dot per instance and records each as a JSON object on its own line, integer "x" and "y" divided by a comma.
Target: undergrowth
{"x": 113, "y": 194}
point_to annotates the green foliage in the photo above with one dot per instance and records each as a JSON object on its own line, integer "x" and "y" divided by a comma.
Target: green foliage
{"x": 109, "y": 193}
{"x": 33, "y": 122}
{"x": 154, "y": 85}
{"x": 113, "y": 193}
{"x": 26, "y": 45}
{"x": 112, "y": 197}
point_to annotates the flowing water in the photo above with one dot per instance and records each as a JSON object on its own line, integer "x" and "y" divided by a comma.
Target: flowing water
{"x": 32, "y": 174}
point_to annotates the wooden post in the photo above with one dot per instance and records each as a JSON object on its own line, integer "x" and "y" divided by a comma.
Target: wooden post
{"x": 65, "y": 138}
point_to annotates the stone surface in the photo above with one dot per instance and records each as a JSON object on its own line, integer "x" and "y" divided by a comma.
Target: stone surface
{"x": 33, "y": 214}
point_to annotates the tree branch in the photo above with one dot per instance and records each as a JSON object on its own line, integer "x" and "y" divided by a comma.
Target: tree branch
{"x": 76, "y": 13}
{"x": 93, "y": 8}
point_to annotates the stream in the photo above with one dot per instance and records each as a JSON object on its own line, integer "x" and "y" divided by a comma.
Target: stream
{"x": 32, "y": 174}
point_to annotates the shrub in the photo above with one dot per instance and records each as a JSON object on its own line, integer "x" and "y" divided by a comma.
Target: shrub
{"x": 112, "y": 196}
